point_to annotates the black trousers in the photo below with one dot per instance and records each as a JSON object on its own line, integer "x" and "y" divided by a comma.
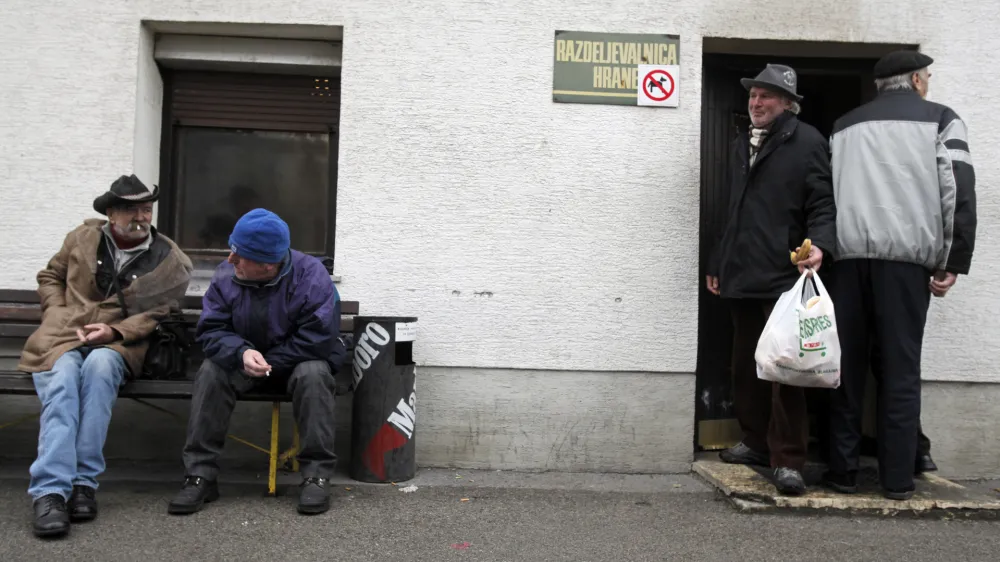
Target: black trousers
{"x": 880, "y": 303}
{"x": 923, "y": 442}
{"x": 313, "y": 389}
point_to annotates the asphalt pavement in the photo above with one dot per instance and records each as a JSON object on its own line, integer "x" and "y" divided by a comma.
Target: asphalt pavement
{"x": 476, "y": 515}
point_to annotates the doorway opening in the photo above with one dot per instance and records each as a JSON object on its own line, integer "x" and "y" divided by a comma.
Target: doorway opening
{"x": 833, "y": 79}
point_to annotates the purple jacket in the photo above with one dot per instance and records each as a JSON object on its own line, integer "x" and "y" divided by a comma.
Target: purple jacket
{"x": 291, "y": 319}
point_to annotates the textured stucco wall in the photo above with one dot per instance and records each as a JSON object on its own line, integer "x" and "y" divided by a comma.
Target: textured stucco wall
{"x": 961, "y": 421}
{"x": 539, "y": 420}
{"x": 523, "y": 233}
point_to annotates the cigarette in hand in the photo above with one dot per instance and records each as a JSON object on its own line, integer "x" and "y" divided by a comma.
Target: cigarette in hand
{"x": 268, "y": 373}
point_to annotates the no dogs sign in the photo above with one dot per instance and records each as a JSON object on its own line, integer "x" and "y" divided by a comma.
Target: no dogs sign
{"x": 658, "y": 85}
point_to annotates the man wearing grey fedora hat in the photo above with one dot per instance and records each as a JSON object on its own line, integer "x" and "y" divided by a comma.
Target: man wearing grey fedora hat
{"x": 780, "y": 194}
{"x": 905, "y": 187}
{"x": 102, "y": 295}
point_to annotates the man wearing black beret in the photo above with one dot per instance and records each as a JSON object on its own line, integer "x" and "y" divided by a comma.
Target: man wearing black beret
{"x": 906, "y": 226}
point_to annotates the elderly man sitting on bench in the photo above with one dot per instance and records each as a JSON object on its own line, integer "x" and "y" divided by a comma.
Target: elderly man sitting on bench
{"x": 270, "y": 318}
{"x": 102, "y": 295}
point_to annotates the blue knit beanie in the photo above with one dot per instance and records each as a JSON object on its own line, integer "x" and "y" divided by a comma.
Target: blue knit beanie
{"x": 261, "y": 236}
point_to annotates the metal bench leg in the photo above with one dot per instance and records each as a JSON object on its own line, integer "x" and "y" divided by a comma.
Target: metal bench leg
{"x": 272, "y": 475}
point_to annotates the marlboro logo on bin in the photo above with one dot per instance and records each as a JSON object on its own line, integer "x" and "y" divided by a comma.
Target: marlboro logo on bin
{"x": 365, "y": 353}
{"x": 394, "y": 433}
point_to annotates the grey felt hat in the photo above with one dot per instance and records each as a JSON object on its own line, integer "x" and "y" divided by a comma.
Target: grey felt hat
{"x": 777, "y": 77}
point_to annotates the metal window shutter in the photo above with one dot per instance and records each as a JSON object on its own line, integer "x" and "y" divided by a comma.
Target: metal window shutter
{"x": 254, "y": 101}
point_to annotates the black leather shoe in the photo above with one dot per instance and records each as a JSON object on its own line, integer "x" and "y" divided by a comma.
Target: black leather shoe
{"x": 924, "y": 464}
{"x": 900, "y": 495}
{"x": 789, "y": 481}
{"x": 315, "y": 496}
{"x": 82, "y": 504}
{"x": 742, "y": 454}
{"x": 195, "y": 493}
{"x": 51, "y": 517}
{"x": 845, "y": 483}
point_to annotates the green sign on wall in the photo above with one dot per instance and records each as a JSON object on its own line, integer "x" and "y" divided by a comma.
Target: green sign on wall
{"x": 603, "y": 68}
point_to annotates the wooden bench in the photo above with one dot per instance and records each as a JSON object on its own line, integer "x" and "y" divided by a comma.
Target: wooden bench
{"x": 20, "y": 315}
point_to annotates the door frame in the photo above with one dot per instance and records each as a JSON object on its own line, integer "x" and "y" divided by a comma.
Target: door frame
{"x": 715, "y": 424}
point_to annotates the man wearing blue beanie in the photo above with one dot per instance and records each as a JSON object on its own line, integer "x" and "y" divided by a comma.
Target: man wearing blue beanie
{"x": 270, "y": 318}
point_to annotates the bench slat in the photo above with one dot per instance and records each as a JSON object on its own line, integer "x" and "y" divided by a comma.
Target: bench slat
{"x": 17, "y": 330}
{"x": 20, "y": 312}
{"x": 24, "y": 296}
{"x": 25, "y": 329}
{"x": 21, "y": 384}
{"x": 16, "y": 382}
{"x": 21, "y": 296}
{"x": 27, "y": 297}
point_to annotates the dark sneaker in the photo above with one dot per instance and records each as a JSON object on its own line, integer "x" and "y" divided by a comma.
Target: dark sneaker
{"x": 51, "y": 517}
{"x": 742, "y": 454}
{"x": 789, "y": 481}
{"x": 900, "y": 495}
{"x": 924, "y": 464}
{"x": 195, "y": 493}
{"x": 315, "y": 496}
{"x": 82, "y": 504}
{"x": 845, "y": 483}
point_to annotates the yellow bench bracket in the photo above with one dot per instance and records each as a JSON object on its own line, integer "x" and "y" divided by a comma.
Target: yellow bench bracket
{"x": 272, "y": 473}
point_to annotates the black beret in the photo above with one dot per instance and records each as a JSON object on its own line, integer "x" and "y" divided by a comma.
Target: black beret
{"x": 901, "y": 62}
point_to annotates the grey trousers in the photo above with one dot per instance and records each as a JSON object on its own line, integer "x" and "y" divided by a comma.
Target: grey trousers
{"x": 313, "y": 389}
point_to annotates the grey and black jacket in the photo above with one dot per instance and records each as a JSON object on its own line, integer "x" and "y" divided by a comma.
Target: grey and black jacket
{"x": 904, "y": 183}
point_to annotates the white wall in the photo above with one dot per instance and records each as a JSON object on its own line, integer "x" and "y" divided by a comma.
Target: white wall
{"x": 509, "y": 224}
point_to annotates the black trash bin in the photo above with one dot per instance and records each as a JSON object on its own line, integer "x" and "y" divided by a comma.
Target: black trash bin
{"x": 383, "y": 425}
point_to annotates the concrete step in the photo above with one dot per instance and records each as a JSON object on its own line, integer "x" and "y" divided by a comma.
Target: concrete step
{"x": 752, "y": 489}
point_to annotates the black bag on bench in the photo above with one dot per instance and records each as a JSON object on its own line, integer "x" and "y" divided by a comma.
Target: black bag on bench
{"x": 169, "y": 350}
{"x": 169, "y": 345}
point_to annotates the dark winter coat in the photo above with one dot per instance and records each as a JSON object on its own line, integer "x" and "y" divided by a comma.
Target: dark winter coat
{"x": 785, "y": 197}
{"x": 76, "y": 289}
{"x": 289, "y": 320}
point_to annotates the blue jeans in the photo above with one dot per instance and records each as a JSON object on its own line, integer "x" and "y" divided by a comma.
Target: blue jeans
{"x": 77, "y": 396}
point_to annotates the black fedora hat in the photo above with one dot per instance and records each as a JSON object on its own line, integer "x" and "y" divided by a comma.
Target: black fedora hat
{"x": 776, "y": 77}
{"x": 125, "y": 190}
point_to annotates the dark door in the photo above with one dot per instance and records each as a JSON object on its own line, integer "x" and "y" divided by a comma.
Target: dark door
{"x": 830, "y": 87}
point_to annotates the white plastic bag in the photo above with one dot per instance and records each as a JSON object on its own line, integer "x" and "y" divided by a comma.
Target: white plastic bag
{"x": 799, "y": 345}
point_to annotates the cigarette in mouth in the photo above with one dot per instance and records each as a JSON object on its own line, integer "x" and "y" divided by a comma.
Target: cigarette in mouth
{"x": 136, "y": 226}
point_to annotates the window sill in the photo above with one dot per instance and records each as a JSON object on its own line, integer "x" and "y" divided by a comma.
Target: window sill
{"x": 204, "y": 269}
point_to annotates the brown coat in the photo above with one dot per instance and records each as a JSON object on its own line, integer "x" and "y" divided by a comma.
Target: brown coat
{"x": 71, "y": 299}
